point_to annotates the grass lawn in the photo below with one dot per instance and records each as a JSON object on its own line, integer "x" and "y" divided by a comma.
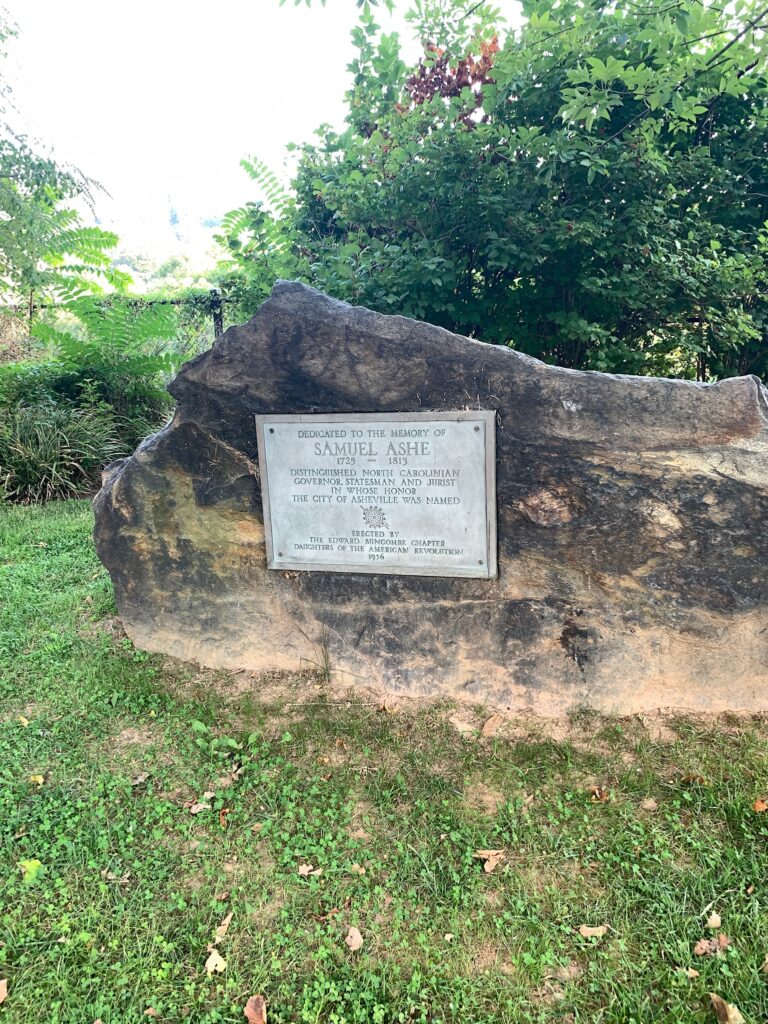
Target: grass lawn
{"x": 145, "y": 803}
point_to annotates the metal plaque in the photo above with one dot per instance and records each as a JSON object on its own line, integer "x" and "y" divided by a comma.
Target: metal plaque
{"x": 399, "y": 493}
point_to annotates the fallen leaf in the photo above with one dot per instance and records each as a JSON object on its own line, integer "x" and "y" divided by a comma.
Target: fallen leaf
{"x": 709, "y": 947}
{"x": 726, "y": 1013}
{"x": 209, "y": 794}
{"x": 491, "y": 858}
{"x": 229, "y": 778}
{"x": 764, "y": 965}
{"x": 305, "y": 870}
{"x": 356, "y": 869}
{"x": 151, "y": 1012}
{"x": 199, "y": 807}
{"x": 215, "y": 962}
{"x": 649, "y": 804}
{"x": 108, "y": 876}
{"x": 689, "y": 972}
{"x": 223, "y": 816}
{"x": 713, "y": 922}
{"x": 221, "y": 931}
{"x": 137, "y": 780}
{"x": 462, "y": 727}
{"x": 354, "y": 939}
{"x": 593, "y": 933}
{"x": 222, "y": 897}
{"x": 750, "y": 889}
{"x": 36, "y": 780}
{"x": 3, "y": 990}
{"x": 528, "y": 800}
{"x": 491, "y": 726}
{"x": 24, "y": 722}
{"x": 448, "y": 936}
{"x": 689, "y": 780}
{"x": 760, "y": 805}
{"x": 600, "y": 794}
{"x": 255, "y": 1010}
{"x": 257, "y": 826}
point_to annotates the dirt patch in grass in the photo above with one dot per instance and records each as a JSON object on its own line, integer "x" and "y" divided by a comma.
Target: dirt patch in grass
{"x": 133, "y": 737}
{"x": 482, "y": 798}
{"x": 109, "y": 626}
{"x": 363, "y": 815}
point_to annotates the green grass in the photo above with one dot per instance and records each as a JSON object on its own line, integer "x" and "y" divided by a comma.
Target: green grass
{"x": 133, "y": 885}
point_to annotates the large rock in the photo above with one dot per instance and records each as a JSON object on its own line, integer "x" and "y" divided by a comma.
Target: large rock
{"x": 632, "y": 512}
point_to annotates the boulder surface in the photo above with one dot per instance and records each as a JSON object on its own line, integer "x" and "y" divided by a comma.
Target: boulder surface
{"x": 632, "y": 513}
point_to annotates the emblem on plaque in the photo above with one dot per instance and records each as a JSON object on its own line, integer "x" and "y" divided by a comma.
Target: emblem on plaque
{"x": 374, "y": 516}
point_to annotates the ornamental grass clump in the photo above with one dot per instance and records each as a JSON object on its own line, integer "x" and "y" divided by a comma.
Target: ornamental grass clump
{"x": 50, "y": 450}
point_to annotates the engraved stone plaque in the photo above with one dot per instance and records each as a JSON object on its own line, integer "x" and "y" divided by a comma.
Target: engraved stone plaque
{"x": 399, "y": 493}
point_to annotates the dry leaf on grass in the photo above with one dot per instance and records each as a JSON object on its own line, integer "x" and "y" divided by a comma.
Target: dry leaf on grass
{"x": 709, "y": 947}
{"x": 36, "y": 780}
{"x": 354, "y": 939}
{"x": 356, "y": 869}
{"x": 223, "y": 816}
{"x": 221, "y": 931}
{"x": 23, "y": 722}
{"x": 198, "y": 807}
{"x": 461, "y": 726}
{"x": 137, "y": 780}
{"x": 226, "y": 780}
{"x": 689, "y": 972}
{"x": 491, "y": 858}
{"x": 492, "y": 726}
{"x": 713, "y": 922}
{"x": 760, "y": 805}
{"x": 109, "y": 876}
{"x": 726, "y": 1013}
{"x": 151, "y": 1012}
{"x": 255, "y": 1010}
{"x": 215, "y": 962}
{"x": 305, "y": 870}
{"x": 593, "y": 933}
{"x": 600, "y": 794}
{"x": 649, "y": 804}
{"x": 3, "y": 990}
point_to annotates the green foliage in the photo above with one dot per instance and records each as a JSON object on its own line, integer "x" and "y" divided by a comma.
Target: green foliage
{"x": 50, "y": 450}
{"x": 591, "y": 189}
{"x": 113, "y": 336}
{"x": 63, "y": 419}
{"x": 260, "y": 244}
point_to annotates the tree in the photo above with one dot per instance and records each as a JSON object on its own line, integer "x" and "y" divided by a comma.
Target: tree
{"x": 591, "y": 189}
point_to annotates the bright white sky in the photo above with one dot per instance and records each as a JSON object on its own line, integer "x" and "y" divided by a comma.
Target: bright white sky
{"x": 159, "y": 99}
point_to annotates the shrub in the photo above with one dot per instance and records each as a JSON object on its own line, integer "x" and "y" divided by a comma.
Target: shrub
{"x": 50, "y": 450}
